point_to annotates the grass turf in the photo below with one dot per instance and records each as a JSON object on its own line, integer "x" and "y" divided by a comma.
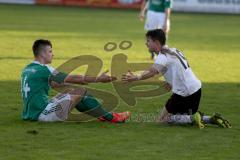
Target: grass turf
{"x": 210, "y": 42}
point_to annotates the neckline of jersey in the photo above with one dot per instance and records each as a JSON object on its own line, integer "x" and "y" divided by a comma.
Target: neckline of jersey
{"x": 37, "y": 62}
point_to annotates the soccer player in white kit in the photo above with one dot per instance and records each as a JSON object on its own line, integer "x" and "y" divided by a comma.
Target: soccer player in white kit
{"x": 182, "y": 106}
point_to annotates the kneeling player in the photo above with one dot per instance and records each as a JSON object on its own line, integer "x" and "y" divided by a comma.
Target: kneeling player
{"x": 38, "y": 76}
{"x": 182, "y": 106}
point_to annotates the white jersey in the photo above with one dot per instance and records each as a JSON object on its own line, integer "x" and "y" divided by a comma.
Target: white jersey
{"x": 177, "y": 72}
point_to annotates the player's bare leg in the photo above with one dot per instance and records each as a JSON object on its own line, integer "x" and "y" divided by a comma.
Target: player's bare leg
{"x": 76, "y": 95}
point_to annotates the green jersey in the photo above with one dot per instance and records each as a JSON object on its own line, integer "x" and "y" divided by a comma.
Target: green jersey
{"x": 34, "y": 89}
{"x": 159, "y": 5}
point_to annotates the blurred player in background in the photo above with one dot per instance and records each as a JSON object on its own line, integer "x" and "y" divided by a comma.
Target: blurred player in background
{"x": 158, "y": 15}
{"x": 182, "y": 106}
{"x": 36, "y": 79}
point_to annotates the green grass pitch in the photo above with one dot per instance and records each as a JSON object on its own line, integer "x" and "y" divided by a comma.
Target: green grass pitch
{"x": 210, "y": 42}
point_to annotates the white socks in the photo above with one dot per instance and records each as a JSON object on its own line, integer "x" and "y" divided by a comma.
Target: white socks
{"x": 206, "y": 119}
{"x": 186, "y": 119}
{"x": 180, "y": 119}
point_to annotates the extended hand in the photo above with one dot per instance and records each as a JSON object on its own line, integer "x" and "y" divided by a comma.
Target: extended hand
{"x": 104, "y": 78}
{"x": 129, "y": 77}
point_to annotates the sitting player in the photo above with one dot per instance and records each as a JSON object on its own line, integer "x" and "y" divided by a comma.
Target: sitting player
{"x": 38, "y": 76}
{"x": 182, "y": 106}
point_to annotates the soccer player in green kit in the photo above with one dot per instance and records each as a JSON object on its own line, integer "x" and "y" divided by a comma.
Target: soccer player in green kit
{"x": 36, "y": 80}
{"x": 158, "y": 15}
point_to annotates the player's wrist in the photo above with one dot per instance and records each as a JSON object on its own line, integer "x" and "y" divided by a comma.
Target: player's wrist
{"x": 97, "y": 79}
{"x": 83, "y": 79}
{"x": 101, "y": 79}
{"x": 139, "y": 77}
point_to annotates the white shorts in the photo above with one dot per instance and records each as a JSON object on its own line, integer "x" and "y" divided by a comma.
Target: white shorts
{"x": 58, "y": 109}
{"x": 155, "y": 20}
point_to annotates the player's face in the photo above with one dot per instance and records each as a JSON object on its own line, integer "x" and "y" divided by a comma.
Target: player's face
{"x": 47, "y": 54}
{"x": 152, "y": 45}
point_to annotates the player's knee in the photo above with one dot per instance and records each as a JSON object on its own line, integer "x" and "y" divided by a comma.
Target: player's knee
{"x": 79, "y": 92}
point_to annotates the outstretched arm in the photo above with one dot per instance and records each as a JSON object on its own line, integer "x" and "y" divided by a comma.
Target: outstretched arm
{"x": 60, "y": 79}
{"x": 129, "y": 77}
{"x": 80, "y": 79}
{"x": 155, "y": 69}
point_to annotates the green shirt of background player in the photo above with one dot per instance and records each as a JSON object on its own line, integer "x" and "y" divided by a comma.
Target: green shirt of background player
{"x": 158, "y": 14}
{"x": 36, "y": 80}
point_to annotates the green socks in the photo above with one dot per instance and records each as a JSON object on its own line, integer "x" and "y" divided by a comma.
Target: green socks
{"x": 91, "y": 106}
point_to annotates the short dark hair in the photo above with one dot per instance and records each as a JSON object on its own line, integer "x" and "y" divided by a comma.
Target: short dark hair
{"x": 39, "y": 44}
{"x": 157, "y": 34}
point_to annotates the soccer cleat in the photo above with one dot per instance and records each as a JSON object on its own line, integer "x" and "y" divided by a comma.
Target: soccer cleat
{"x": 102, "y": 119}
{"x": 201, "y": 113}
{"x": 220, "y": 121}
{"x": 118, "y": 117}
{"x": 197, "y": 119}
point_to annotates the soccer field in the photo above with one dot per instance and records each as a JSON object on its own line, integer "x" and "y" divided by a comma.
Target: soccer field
{"x": 210, "y": 42}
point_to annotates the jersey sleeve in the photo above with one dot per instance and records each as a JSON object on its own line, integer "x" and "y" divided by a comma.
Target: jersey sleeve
{"x": 161, "y": 59}
{"x": 161, "y": 63}
{"x": 56, "y": 76}
{"x": 168, "y": 4}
